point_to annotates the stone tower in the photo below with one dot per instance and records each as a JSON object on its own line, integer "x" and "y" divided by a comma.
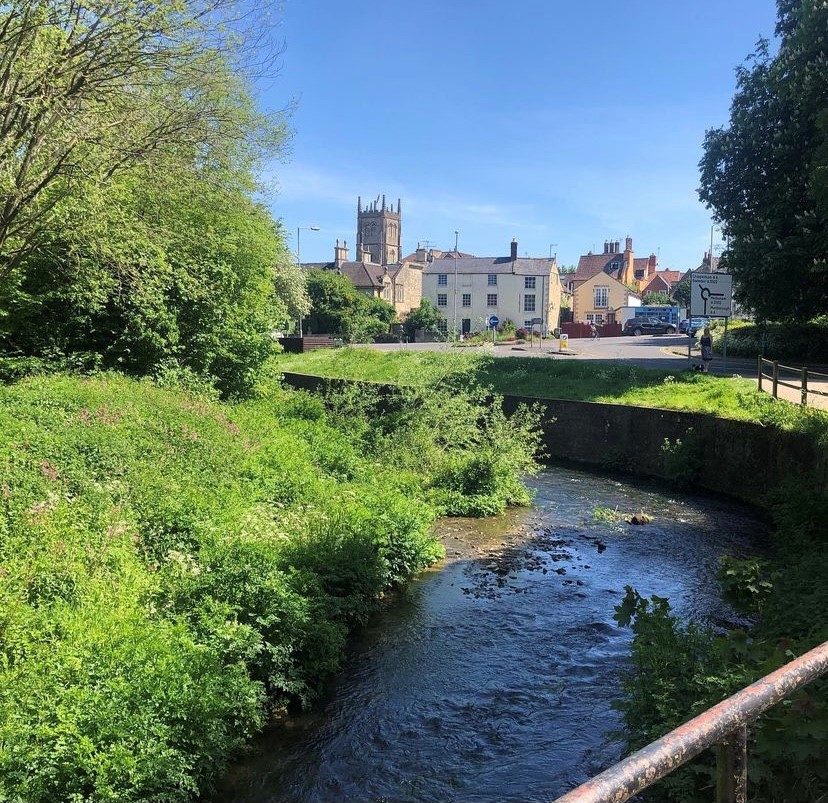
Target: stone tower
{"x": 379, "y": 231}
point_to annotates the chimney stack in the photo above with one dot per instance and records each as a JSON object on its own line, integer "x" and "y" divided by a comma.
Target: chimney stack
{"x": 514, "y": 249}
{"x": 340, "y": 253}
{"x": 628, "y": 244}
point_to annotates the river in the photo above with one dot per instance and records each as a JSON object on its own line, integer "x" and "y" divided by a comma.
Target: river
{"x": 491, "y": 677}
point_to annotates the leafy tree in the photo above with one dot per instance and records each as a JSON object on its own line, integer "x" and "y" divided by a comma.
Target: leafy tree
{"x": 657, "y": 298}
{"x": 681, "y": 292}
{"x": 381, "y": 310}
{"x": 764, "y": 175}
{"x": 144, "y": 273}
{"x": 128, "y": 145}
{"x": 337, "y": 307}
{"x": 425, "y": 317}
{"x": 89, "y": 89}
{"x": 290, "y": 286}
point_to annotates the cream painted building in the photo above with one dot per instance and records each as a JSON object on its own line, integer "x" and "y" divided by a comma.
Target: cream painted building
{"x": 467, "y": 291}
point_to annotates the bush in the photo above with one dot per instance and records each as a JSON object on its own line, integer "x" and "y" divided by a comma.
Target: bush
{"x": 798, "y": 343}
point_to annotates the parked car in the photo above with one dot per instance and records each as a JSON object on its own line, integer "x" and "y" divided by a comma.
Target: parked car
{"x": 642, "y": 325}
{"x": 692, "y": 325}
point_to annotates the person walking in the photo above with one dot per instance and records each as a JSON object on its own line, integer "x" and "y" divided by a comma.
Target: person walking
{"x": 706, "y": 343}
{"x": 596, "y": 335}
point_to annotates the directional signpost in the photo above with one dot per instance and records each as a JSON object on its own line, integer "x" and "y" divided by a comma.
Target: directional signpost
{"x": 494, "y": 322}
{"x": 539, "y": 323}
{"x": 711, "y": 296}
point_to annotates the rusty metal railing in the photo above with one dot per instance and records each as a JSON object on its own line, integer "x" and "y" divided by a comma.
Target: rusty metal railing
{"x": 803, "y": 375}
{"x": 723, "y": 726}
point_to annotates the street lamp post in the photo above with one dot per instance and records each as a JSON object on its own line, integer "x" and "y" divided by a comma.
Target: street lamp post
{"x": 455, "y": 285}
{"x": 299, "y": 260}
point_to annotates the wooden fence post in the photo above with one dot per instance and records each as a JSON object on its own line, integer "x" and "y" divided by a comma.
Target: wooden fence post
{"x": 759, "y": 373}
{"x": 804, "y": 386}
{"x": 775, "y": 378}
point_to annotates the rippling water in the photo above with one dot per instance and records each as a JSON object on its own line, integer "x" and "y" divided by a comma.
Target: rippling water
{"x": 491, "y": 677}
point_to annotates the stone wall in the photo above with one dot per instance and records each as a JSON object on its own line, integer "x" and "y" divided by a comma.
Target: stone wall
{"x": 737, "y": 458}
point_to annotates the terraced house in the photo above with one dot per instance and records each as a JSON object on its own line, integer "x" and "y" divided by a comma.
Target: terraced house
{"x": 469, "y": 290}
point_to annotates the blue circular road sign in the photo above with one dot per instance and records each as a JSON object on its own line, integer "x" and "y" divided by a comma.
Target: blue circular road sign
{"x": 494, "y": 321}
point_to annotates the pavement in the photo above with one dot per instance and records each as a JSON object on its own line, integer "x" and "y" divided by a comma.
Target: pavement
{"x": 662, "y": 352}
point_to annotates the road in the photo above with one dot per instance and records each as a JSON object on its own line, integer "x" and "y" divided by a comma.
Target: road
{"x": 663, "y": 352}
{"x": 647, "y": 351}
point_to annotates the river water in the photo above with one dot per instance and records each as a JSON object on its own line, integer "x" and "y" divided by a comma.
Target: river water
{"x": 491, "y": 677}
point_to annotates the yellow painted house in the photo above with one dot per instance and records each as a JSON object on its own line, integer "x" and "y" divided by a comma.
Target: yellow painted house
{"x": 604, "y": 282}
{"x": 596, "y": 299}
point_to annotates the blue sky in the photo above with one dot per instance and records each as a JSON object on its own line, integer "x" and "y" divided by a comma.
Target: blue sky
{"x": 557, "y": 123}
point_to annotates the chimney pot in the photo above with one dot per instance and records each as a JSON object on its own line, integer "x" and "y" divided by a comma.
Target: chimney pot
{"x": 514, "y": 249}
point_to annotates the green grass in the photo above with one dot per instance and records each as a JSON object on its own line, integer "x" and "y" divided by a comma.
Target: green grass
{"x": 608, "y": 382}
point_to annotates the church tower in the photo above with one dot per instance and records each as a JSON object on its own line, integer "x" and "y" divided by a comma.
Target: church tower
{"x": 379, "y": 231}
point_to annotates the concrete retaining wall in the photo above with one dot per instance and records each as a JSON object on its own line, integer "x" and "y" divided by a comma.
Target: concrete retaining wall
{"x": 737, "y": 458}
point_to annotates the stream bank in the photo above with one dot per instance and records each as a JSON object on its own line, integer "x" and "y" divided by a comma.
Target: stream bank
{"x": 492, "y": 676}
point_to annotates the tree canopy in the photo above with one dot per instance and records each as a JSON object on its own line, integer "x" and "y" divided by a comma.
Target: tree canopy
{"x": 338, "y": 308}
{"x": 89, "y": 88}
{"x": 425, "y": 317}
{"x": 657, "y": 298}
{"x": 129, "y": 144}
{"x": 765, "y": 175}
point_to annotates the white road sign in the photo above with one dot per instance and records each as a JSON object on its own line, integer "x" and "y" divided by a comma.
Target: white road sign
{"x": 711, "y": 295}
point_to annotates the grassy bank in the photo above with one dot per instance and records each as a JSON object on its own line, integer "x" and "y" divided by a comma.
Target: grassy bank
{"x": 173, "y": 569}
{"x": 607, "y": 382}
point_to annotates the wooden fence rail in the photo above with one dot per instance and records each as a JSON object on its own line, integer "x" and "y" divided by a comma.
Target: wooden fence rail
{"x": 803, "y": 376}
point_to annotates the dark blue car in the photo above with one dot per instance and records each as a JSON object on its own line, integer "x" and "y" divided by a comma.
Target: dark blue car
{"x": 693, "y": 325}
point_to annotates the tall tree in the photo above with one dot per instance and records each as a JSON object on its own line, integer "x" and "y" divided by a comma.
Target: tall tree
{"x": 89, "y": 88}
{"x": 764, "y": 175}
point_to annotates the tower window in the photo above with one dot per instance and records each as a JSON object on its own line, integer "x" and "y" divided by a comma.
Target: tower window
{"x": 529, "y": 302}
{"x": 492, "y": 282}
{"x": 442, "y": 299}
{"x": 442, "y": 279}
{"x": 529, "y": 283}
{"x": 466, "y": 299}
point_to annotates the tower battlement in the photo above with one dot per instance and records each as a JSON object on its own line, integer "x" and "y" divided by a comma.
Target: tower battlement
{"x": 379, "y": 230}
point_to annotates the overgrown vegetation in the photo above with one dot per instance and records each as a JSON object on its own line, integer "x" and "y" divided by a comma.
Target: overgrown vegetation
{"x": 338, "y": 308}
{"x": 680, "y": 669}
{"x": 173, "y": 569}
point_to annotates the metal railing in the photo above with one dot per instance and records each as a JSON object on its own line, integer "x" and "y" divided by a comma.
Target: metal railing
{"x": 723, "y": 726}
{"x": 803, "y": 376}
